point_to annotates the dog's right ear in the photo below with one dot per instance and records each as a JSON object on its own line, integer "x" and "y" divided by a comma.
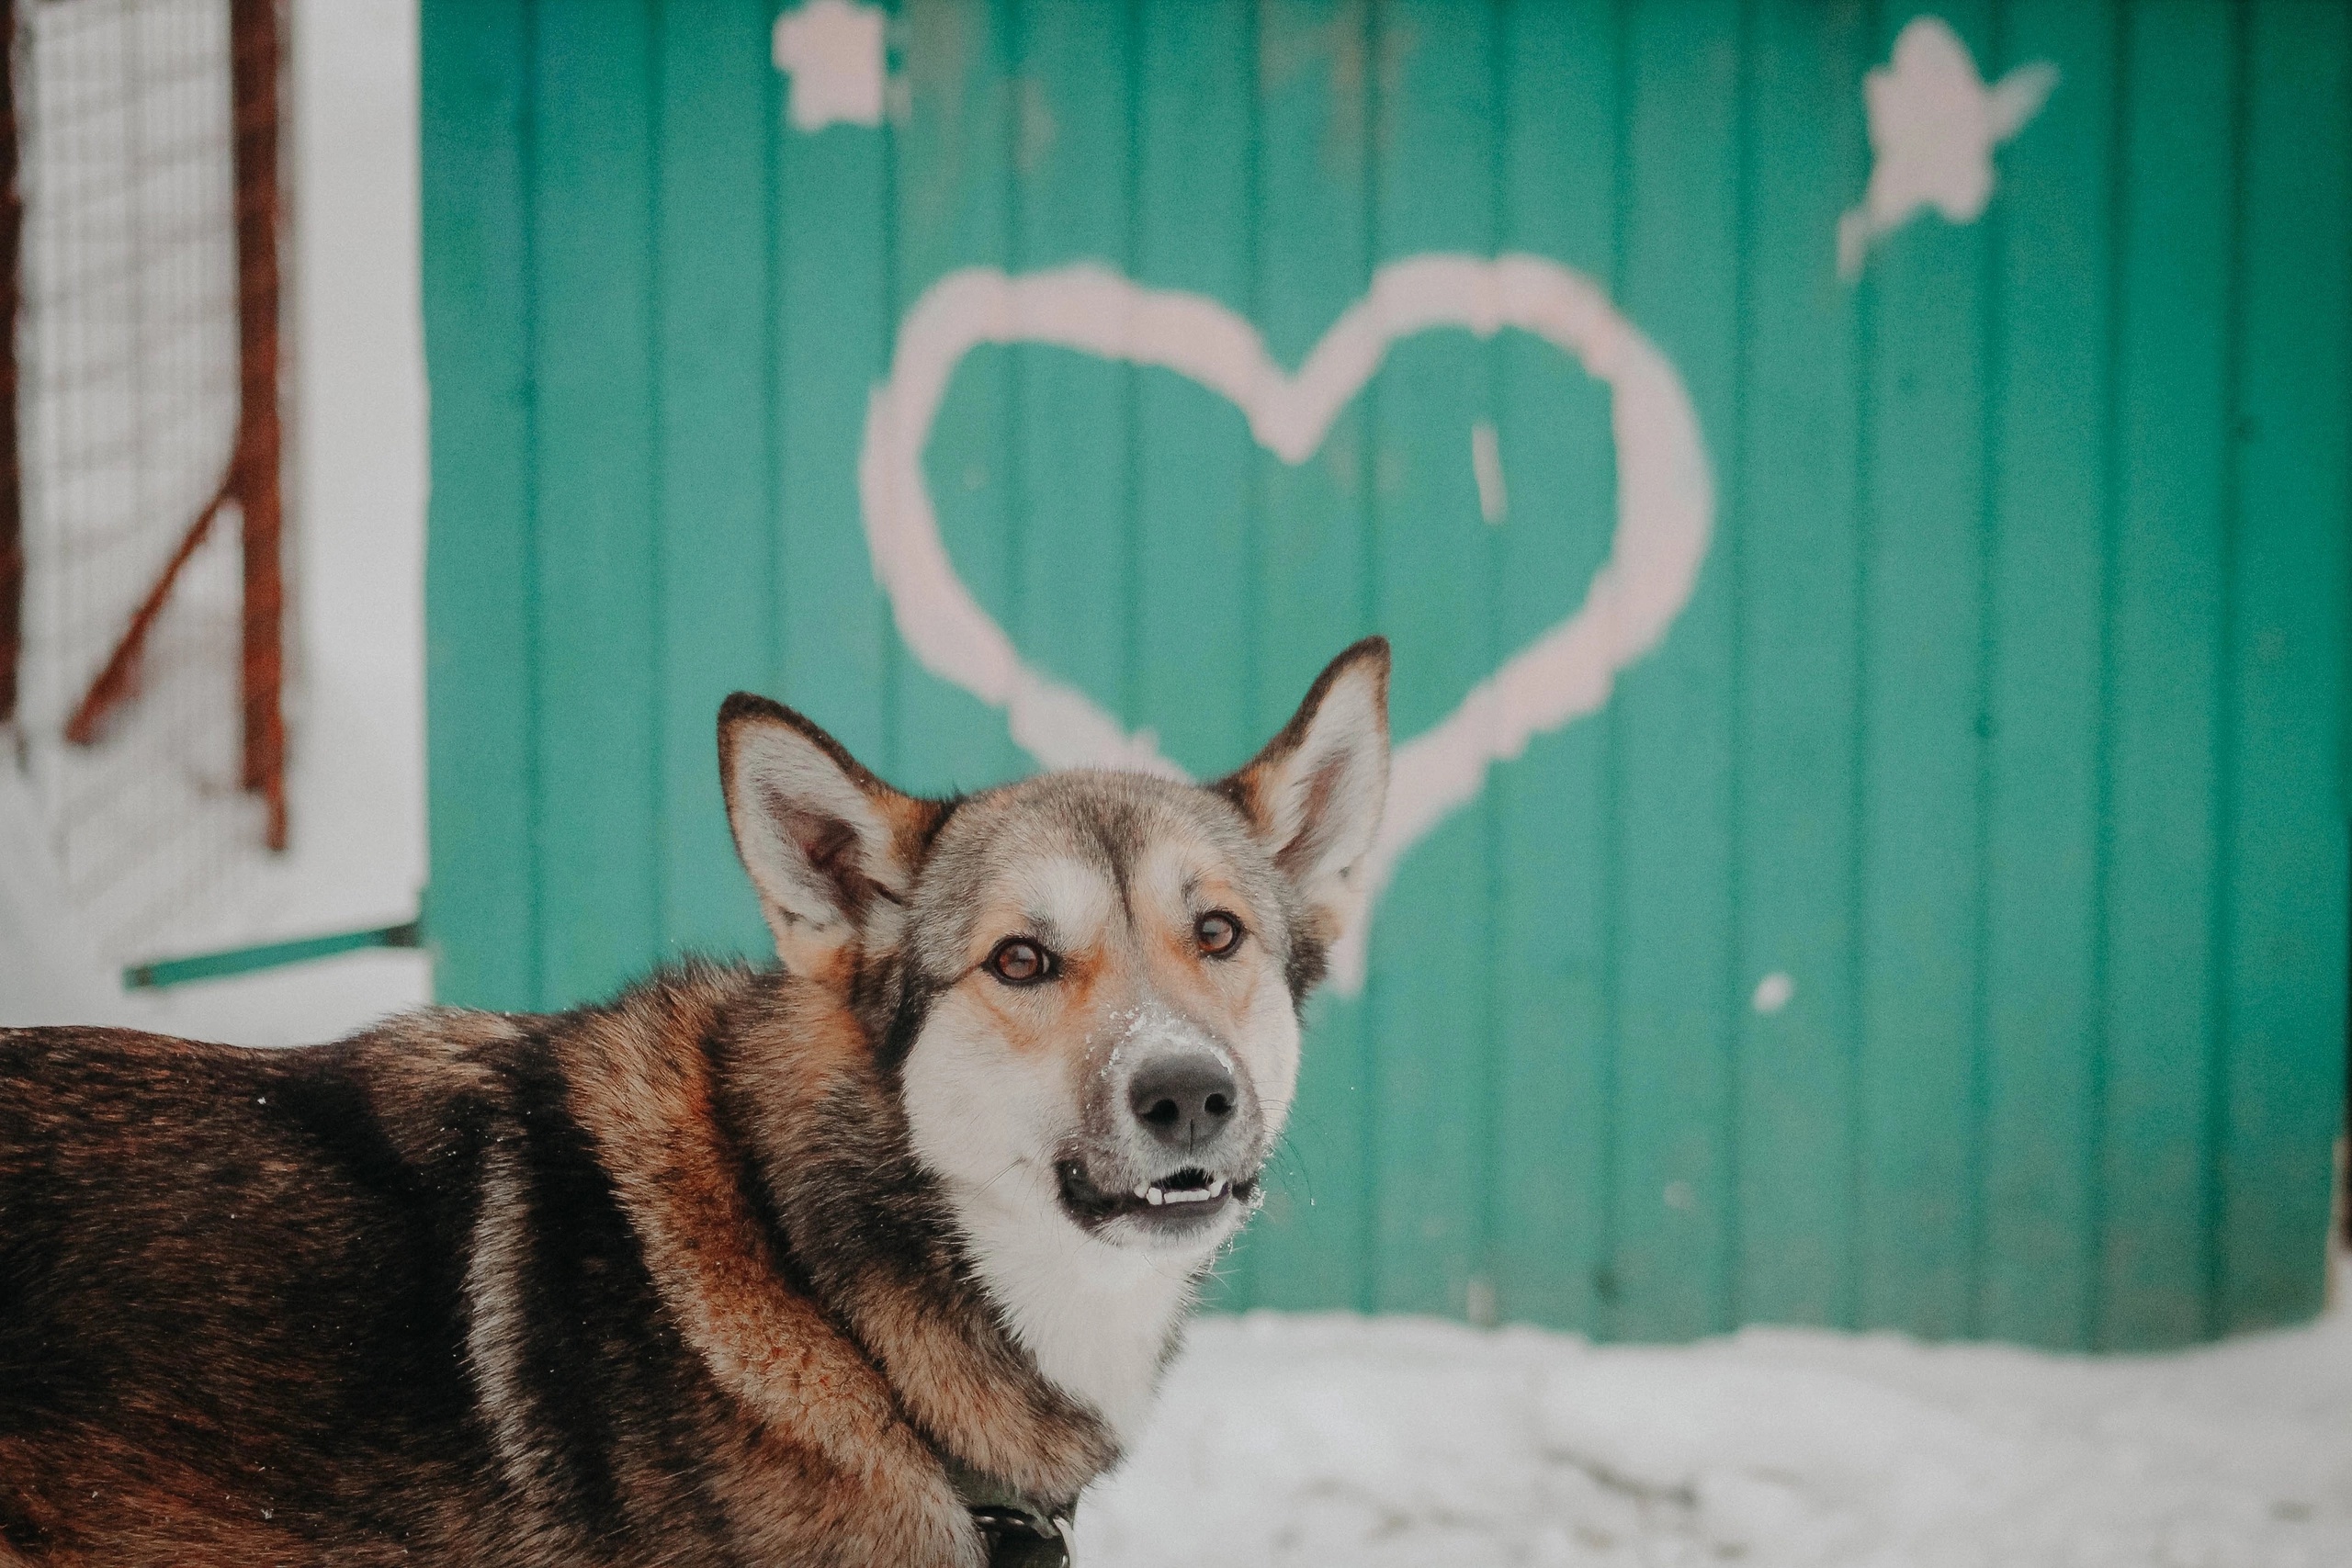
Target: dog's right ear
{"x": 1315, "y": 792}
{"x": 832, "y": 848}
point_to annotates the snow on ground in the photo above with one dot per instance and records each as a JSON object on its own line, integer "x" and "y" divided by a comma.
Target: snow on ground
{"x": 50, "y": 973}
{"x": 1345, "y": 1442}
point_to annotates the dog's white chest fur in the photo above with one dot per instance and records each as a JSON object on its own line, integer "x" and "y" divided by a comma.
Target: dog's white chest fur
{"x": 1096, "y": 1316}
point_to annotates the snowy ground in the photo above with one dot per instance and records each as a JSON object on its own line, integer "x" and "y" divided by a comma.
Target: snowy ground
{"x": 1344, "y": 1442}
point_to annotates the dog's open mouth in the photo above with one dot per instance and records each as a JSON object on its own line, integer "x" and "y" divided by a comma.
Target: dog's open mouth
{"x": 1178, "y": 1201}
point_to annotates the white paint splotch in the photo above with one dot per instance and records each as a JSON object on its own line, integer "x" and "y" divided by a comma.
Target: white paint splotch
{"x": 1486, "y": 467}
{"x": 1665, "y": 496}
{"x": 832, "y": 50}
{"x": 1773, "y": 992}
{"x": 1934, "y": 123}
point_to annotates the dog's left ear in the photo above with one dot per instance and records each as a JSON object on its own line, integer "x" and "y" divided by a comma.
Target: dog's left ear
{"x": 1315, "y": 794}
{"x": 832, "y": 848}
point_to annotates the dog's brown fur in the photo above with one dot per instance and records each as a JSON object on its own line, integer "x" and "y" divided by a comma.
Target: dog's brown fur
{"x": 210, "y": 1257}
{"x": 661, "y": 1282}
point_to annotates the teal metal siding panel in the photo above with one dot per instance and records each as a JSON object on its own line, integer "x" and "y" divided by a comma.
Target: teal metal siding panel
{"x": 833, "y": 298}
{"x": 2170, "y": 436}
{"x": 1793, "y": 539}
{"x": 1433, "y": 122}
{"x": 715, "y": 470}
{"x": 2046, "y": 592}
{"x": 1921, "y": 916}
{"x": 1671, "y": 903}
{"x": 598, "y": 650}
{"x": 957, "y": 159}
{"x": 1549, "y": 963}
{"x": 1943, "y": 928}
{"x": 2283, "y": 913}
{"x": 480, "y": 576}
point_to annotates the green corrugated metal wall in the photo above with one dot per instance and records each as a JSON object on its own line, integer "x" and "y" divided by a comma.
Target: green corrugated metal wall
{"x": 2004, "y": 720}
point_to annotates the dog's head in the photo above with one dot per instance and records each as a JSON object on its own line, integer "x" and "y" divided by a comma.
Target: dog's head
{"x": 1087, "y": 985}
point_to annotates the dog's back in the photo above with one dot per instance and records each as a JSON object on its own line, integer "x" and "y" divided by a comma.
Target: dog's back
{"x": 245, "y": 1297}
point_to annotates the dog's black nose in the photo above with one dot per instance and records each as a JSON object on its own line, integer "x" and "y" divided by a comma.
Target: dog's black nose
{"x": 1185, "y": 1101}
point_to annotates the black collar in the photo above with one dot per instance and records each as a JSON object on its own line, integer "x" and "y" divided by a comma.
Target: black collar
{"x": 1019, "y": 1532}
{"x": 1018, "y": 1538}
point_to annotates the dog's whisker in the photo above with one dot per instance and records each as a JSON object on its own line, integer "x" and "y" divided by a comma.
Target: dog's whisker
{"x": 1010, "y": 1168}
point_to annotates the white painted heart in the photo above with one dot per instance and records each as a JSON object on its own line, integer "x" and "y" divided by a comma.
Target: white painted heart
{"x": 1665, "y": 497}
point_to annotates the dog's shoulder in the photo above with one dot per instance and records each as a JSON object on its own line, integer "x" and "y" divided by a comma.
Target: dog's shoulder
{"x": 434, "y": 1084}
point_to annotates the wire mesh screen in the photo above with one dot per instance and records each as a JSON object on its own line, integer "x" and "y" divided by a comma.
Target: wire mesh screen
{"x": 137, "y": 451}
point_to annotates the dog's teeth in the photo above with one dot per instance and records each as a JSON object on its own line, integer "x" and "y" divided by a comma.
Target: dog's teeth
{"x": 1159, "y": 1196}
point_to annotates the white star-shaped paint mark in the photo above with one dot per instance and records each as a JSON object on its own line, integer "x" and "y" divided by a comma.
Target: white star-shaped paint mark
{"x": 833, "y": 52}
{"x": 1934, "y": 124}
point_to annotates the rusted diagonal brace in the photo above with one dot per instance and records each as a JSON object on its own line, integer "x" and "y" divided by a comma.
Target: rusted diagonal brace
{"x": 121, "y": 677}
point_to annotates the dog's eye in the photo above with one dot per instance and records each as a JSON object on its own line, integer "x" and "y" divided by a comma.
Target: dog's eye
{"x": 1217, "y": 932}
{"x": 1018, "y": 961}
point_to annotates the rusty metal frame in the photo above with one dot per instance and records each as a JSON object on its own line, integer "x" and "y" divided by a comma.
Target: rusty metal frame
{"x": 255, "y": 470}
{"x": 253, "y": 67}
{"x": 12, "y": 488}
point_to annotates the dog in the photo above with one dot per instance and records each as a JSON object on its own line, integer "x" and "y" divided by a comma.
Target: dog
{"x": 871, "y": 1258}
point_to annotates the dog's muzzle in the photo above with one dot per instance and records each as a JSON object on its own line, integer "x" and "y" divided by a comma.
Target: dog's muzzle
{"x": 1179, "y": 1154}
